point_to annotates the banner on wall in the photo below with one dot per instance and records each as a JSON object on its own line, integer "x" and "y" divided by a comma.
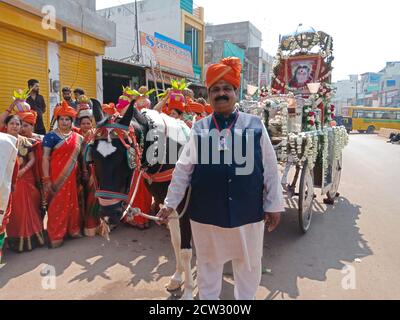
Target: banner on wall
{"x": 171, "y": 55}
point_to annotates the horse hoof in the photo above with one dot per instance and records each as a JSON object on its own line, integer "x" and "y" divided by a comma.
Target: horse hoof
{"x": 173, "y": 285}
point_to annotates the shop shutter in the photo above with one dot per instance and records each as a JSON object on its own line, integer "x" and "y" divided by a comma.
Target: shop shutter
{"x": 22, "y": 57}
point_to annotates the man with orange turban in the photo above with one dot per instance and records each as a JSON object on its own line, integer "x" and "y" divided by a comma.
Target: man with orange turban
{"x": 110, "y": 109}
{"x": 209, "y": 109}
{"x": 197, "y": 109}
{"x": 232, "y": 196}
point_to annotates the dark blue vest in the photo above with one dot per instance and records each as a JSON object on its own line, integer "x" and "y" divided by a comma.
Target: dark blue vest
{"x": 220, "y": 197}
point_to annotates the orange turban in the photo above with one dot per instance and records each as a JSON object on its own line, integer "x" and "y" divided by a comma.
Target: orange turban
{"x": 195, "y": 107}
{"x": 188, "y": 100}
{"x": 228, "y": 69}
{"x": 28, "y": 117}
{"x": 177, "y": 106}
{"x": 176, "y": 101}
{"x": 64, "y": 111}
{"x": 109, "y": 109}
{"x": 208, "y": 108}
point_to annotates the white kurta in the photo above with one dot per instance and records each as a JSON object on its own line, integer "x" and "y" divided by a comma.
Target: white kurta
{"x": 8, "y": 155}
{"x": 220, "y": 245}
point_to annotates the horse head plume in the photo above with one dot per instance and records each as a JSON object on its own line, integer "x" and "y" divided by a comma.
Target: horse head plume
{"x": 127, "y": 118}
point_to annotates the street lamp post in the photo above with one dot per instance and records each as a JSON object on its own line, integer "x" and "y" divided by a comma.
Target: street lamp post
{"x": 356, "y": 92}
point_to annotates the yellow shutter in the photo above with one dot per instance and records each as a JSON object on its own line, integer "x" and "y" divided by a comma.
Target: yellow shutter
{"x": 22, "y": 57}
{"x": 78, "y": 70}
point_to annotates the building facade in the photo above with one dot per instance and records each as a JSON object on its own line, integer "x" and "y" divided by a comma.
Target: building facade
{"x": 58, "y": 43}
{"x": 346, "y": 94}
{"x": 259, "y": 71}
{"x": 215, "y": 50}
{"x": 368, "y": 89}
{"x": 382, "y": 88}
{"x": 389, "y": 94}
{"x": 257, "y": 64}
{"x": 177, "y": 20}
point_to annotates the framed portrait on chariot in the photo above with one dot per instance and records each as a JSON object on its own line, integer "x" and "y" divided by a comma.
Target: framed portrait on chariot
{"x": 302, "y": 70}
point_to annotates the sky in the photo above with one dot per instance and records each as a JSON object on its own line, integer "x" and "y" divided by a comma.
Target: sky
{"x": 365, "y": 33}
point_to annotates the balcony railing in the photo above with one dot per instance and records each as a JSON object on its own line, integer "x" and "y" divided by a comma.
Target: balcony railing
{"x": 198, "y": 12}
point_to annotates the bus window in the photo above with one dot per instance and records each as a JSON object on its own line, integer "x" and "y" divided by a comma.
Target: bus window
{"x": 358, "y": 114}
{"x": 378, "y": 115}
{"x": 369, "y": 115}
{"x": 389, "y": 116}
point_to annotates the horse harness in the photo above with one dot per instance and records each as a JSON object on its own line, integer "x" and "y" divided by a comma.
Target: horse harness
{"x": 126, "y": 134}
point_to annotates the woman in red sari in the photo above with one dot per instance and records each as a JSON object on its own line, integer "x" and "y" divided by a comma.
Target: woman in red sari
{"x": 24, "y": 229}
{"x": 61, "y": 150}
{"x": 91, "y": 208}
{"x": 28, "y": 125}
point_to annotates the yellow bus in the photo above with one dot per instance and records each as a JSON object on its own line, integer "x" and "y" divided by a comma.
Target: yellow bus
{"x": 369, "y": 119}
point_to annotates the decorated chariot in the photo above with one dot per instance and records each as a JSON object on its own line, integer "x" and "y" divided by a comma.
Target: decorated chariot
{"x": 300, "y": 119}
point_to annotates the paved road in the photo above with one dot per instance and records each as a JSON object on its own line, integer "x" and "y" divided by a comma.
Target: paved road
{"x": 360, "y": 233}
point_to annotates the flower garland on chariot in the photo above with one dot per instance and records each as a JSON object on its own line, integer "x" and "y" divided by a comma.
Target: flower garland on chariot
{"x": 298, "y": 147}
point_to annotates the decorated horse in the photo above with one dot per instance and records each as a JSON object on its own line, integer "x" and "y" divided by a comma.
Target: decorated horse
{"x": 122, "y": 150}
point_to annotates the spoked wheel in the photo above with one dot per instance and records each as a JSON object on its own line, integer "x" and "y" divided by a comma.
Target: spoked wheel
{"x": 306, "y": 198}
{"x": 332, "y": 194}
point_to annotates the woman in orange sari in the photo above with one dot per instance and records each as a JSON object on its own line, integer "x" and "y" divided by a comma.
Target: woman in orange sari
{"x": 61, "y": 150}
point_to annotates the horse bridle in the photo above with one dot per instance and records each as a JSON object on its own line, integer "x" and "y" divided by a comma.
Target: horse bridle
{"x": 127, "y": 132}
{"x": 123, "y": 133}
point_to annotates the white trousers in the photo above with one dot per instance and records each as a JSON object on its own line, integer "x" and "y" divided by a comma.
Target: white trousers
{"x": 209, "y": 280}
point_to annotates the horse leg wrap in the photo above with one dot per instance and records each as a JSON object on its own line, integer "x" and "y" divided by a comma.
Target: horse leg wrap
{"x": 176, "y": 281}
{"x": 187, "y": 255}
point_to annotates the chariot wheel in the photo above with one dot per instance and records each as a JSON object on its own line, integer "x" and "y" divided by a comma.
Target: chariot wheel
{"x": 332, "y": 194}
{"x": 306, "y": 198}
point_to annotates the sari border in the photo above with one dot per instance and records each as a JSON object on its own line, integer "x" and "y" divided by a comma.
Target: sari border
{"x": 70, "y": 165}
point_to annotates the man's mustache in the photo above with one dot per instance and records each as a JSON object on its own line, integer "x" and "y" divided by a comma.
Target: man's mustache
{"x": 226, "y": 98}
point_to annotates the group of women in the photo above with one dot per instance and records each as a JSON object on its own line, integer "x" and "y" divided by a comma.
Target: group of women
{"x": 52, "y": 184}
{"x": 50, "y": 177}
